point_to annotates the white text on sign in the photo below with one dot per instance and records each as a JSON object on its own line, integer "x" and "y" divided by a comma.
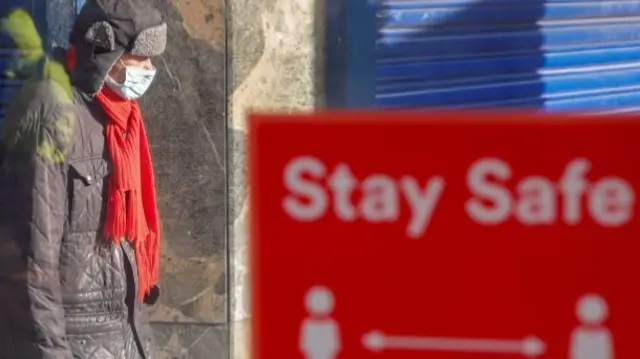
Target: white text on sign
{"x": 315, "y": 190}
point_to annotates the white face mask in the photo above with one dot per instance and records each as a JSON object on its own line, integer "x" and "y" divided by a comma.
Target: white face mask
{"x": 136, "y": 82}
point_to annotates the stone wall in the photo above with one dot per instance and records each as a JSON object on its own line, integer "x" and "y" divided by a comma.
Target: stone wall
{"x": 185, "y": 113}
{"x": 272, "y": 67}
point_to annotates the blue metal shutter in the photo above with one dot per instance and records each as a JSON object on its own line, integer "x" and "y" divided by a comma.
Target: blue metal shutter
{"x": 555, "y": 55}
{"x": 79, "y": 4}
{"x": 8, "y": 51}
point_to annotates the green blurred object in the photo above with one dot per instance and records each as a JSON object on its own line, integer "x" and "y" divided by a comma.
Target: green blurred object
{"x": 43, "y": 77}
{"x": 19, "y": 25}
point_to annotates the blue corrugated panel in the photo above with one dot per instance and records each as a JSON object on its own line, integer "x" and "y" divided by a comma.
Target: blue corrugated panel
{"x": 556, "y": 55}
{"x": 349, "y": 38}
{"x": 6, "y": 89}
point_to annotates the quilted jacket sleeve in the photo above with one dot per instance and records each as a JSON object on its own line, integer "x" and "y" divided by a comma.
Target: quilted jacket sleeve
{"x": 38, "y": 133}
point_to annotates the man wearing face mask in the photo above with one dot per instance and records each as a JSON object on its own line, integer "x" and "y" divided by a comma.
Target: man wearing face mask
{"x": 79, "y": 244}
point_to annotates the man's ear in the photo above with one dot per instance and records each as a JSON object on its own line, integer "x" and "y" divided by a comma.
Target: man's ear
{"x": 101, "y": 35}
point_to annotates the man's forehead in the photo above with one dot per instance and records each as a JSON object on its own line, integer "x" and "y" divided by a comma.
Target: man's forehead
{"x": 132, "y": 57}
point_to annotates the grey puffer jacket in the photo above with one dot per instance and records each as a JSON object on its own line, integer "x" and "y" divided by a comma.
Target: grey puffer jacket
{"x": 66, "y": 292}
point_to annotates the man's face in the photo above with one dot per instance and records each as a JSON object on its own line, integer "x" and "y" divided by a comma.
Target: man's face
{"x": 117, "y": 72}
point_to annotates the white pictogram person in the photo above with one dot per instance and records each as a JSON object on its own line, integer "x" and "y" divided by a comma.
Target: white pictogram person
{"x": 591, "y": 340}
{"x": 319, "y": 333}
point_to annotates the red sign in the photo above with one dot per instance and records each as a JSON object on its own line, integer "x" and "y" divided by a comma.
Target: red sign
{"x": 447, "y": 236}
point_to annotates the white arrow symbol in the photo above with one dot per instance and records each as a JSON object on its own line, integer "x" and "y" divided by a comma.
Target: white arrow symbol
{"x": 530, "y": 347}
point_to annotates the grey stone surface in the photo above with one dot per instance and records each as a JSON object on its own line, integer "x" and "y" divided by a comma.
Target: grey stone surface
{"x": 185, "y": 114}
{"x": 236, "y": 157}
{"x": 188, "y": 341}
{"x": 238, "y": 197}
{"x": 272, "y": 67}
{"x": 241, "y": 346}
{"x": 272, "y": 52}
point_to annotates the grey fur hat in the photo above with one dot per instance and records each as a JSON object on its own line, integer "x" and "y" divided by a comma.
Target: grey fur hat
{"x": 105, "y": 29}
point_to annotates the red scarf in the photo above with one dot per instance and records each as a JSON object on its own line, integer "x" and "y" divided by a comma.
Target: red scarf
{"x": 132, "y": 212}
